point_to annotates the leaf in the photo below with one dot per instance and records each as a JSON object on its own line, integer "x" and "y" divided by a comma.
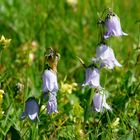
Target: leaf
{"x": 130, "y": 136}
{"x": 13, "y": 134}
{"x": 88, "y": 104}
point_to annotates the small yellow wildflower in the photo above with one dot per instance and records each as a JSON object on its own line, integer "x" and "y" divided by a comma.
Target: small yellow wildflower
{"x": 1, "y": 98}
{"x": 68, "y": 88}
{"x": 115, "y": 123}
{"x": 4, "y": 41}
{"x": 1, "y": 95}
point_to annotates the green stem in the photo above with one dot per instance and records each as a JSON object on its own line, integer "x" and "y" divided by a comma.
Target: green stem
{"x": 88, "y": 105}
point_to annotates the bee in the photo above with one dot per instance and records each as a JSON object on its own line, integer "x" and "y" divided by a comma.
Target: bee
{"x": 52, "y": 58}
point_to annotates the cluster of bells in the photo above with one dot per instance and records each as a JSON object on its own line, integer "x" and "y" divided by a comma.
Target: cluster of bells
{"x": 105, "y": 58}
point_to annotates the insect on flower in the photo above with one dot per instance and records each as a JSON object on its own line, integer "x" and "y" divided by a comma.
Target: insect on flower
{"x": 50, "y": 74}
{"x": 50, "y": 84}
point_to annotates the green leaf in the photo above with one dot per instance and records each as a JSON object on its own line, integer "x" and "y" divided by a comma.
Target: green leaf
{"x": 88, "y": 104}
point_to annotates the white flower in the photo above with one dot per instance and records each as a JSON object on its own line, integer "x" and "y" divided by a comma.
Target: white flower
{"x": 99, "y": 102}
{"x": 106, "y": 56}
{"x": 92, "y": 78}
{"x": 49, "y": 81}
{"x": 31, "y": 109}
{"x": 72, "y": 2}
{"x": 113, "y": 26}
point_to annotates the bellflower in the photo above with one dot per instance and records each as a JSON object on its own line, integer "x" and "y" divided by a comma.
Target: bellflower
{"x": 49, "y": 81}
{"x": 99, "y": 102}
{"x": 92, "y": 77}
{"x": 112, "y": 23}
{"x": 52, "y": 104}
{"x": 106, "y": 56}
{"x": 31, "y": 109}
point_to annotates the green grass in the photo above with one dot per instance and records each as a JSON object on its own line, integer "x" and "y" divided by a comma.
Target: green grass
{"x": 73, "y": 32}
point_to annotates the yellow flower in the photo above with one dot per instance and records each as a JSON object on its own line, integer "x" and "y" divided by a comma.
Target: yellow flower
{"x": 115, "y": 123}
{"x": 68, "y": 88}
{"x": 4, "y": 41}
{"x": 1, "y": 98}
{"x": 1, "y": 95}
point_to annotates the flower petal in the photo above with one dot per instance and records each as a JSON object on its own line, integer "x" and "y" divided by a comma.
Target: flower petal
{"x": 33, "y": 116}
{"x": 112, "y": 23}
{"x": 105, "y": 105}
{"x": 49, "y": 81}
{"x": 92, "y": 78}
{"x": 97, "y": 100}
{"x": 107, "y": 57}
{"x": 32, "y": 108}
{"x": 52, "y": 104}
{"x": 23, "y": 116}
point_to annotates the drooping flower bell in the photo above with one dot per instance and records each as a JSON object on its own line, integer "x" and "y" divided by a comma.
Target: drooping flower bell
{"x": 49, "y": 81}
{"x": 50, "y": 75}
{"x": 31, "y": 109}
{"x": 99, "y": 102}
{"x": 50, "y": 85}
{"x": 113, "y": 26}
{"x": 52, "y": 104}
{"x": 106, "y": 56}
{"x": 92, "y": 77}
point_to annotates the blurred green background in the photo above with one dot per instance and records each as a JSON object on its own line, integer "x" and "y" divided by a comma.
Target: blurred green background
{"x": 71, "y": 29}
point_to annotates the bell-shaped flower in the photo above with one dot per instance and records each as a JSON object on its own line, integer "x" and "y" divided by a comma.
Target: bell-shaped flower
{"x": 113, "y": 26}
{"x": 99, "y": 102}
{"x": 92, "y": 77}
{"x": 31, "y": 109}
{"x": 52, "y": 104}
{"x": 106, "y": 57}
{"x": 49, "y": 81}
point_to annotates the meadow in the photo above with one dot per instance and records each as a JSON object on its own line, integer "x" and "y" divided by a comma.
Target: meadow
{"x": 27, "y": 29}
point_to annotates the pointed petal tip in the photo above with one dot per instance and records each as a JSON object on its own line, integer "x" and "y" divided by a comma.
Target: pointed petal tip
{"x": 117, "y": 64}
{"x": 83, "y": 85}
{"x": 125, "y": 34}
{"x": 33, "y": 116}
{"x": 106, "y": 37}
{"x": 23, "y": 116}
{"x": 49, "y": 112}
{"x": 98, "y": 110}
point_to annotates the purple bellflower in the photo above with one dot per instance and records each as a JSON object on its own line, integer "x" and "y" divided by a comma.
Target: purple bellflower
{"x": 112, "y": 23}
{"x": 92, "y": 77}
{"x": 50, "y": 86}
{"x": 52, "y": 104}
{"x": 49, "y": 82}
{"x": 31, "y": 109}
{"x": 99, "y": 102}
{"x": 106, "y": 57}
